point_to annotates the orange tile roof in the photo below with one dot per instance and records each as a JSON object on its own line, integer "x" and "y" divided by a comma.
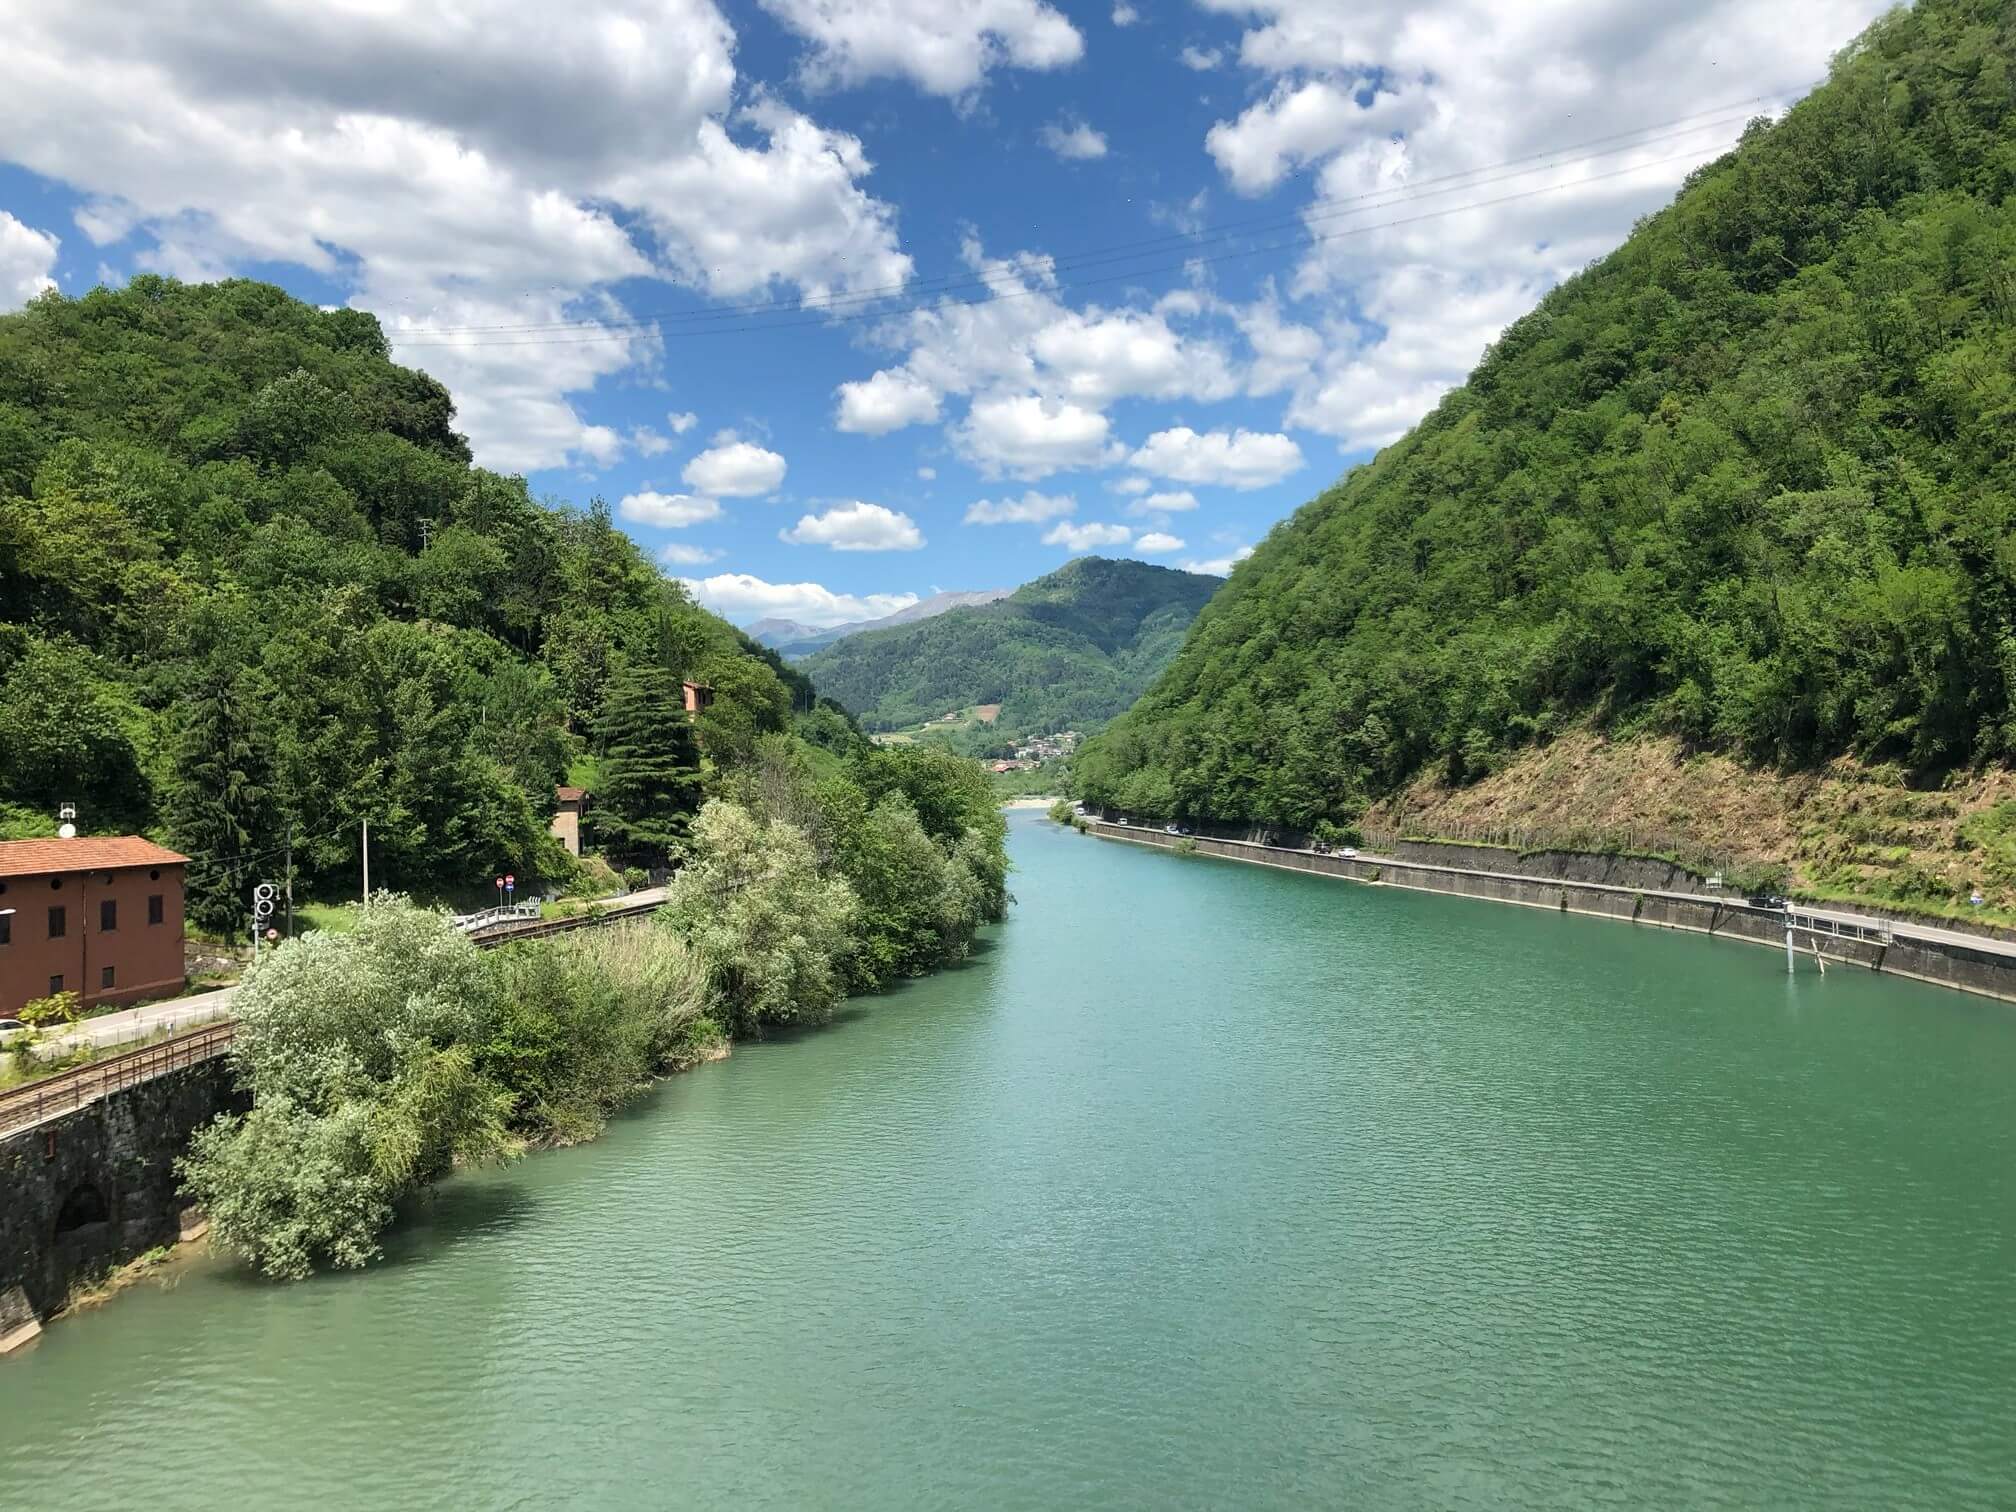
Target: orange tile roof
{"x": 43, "y": 858}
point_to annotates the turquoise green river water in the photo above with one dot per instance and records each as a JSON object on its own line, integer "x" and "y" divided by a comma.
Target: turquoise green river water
{"x": 1202, "y": 1186}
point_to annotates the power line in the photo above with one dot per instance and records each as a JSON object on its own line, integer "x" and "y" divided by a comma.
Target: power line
{"x": 998, "y": 296}
{"x": 237, "y": 864}
{"x": 1217, "y": 232}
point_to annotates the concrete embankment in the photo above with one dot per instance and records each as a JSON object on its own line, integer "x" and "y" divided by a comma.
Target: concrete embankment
{"x": 1635, "y": 890}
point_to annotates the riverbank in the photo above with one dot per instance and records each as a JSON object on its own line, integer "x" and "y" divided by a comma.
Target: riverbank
{"x": 1192, "y": 1187}
{"x": 1602, "y": 886}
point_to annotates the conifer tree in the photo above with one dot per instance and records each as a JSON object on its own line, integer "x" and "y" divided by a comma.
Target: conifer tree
{"x": 649, "y": 787}
{"x": 220, "y": 806}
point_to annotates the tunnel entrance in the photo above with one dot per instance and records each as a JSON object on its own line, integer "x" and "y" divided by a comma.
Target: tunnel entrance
{"x": 84, "y": 1206}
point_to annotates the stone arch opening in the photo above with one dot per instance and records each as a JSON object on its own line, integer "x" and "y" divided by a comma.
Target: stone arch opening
{"x": 85, "y": 1205}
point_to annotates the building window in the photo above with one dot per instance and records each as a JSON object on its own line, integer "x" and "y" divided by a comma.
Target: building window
{"x": 6, "y": 929}
{"x": 55, "y": 984}
{"x": 154, "y": 912}
{"x": 59, "y": 924}
{"x": 108, "y": 915}
{"x": 105, "y": 977}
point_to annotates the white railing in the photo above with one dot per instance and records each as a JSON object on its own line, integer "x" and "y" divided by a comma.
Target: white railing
{"x": 506, "y": 913}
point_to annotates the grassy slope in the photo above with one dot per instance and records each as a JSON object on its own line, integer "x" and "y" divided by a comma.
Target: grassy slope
{"x": 1851, "y": 831}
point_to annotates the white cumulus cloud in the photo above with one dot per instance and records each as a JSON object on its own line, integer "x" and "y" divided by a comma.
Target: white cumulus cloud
{"x": 944, "y": 49}
{"x": 667, "y": 511}
{"x": 26, "y": 256}
{"x": 1220, "y": 566}
{"x": 890, "y": 400}
{"x": 1125, "y": 14}
{"x": 681, "y": 421}
{"x": 1075, "y": 140}
{"x": 1172, "y": 501}
{"x": 1156, "y": 543}
{"x": 741, "y": 597}
{"x": 735, "y": 470}
{"x": 1459, "y": 101}
{"x": 1027, "y": 436}
{"x": 1031, "y": 509}
{"x": 679, "y": 554}
{"x": 857, "y": 526}
{"x": 1240, "y": 459}
{"x": 1038, "y": 373}
{"x": 1198, "y": 60}
{"x": 1086, "y": 537}
{"x": 366, "y": 144}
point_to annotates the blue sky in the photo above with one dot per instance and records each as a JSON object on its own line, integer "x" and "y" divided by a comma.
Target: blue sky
{"x": 838, "y": 302}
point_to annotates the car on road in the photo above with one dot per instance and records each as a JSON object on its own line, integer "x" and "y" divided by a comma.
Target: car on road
{"x": 1349, "y": 851}
{"x": 10, "y": 1023}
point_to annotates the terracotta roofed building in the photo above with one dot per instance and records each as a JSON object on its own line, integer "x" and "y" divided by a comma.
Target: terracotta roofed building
{"x": 100, "y": 916}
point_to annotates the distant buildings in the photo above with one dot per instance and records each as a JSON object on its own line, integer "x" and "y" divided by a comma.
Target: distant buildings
{"x": 97, "y": 916}
{"x": 1041, "y": 748}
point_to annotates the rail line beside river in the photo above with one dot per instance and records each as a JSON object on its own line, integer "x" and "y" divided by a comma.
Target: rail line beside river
{"x": 65, "y": 1092}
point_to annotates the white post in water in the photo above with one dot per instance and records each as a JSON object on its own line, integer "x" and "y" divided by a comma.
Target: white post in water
{"x": 1789, "y": 958}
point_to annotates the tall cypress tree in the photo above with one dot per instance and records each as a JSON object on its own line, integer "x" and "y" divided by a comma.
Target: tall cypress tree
{"x": 649, "y": 786}
{"x": 220, "y": 806}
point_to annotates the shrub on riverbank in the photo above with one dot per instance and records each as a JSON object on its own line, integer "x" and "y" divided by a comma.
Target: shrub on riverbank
{"x": 359, "y": 1052}
{"x": 380, "y": 1058}
{"x": 587, "y": 1021}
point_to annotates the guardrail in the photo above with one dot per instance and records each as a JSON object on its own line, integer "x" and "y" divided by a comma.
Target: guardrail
{"x": 66, "y": 1091}
{"x": 503, "y": 913}
{"x": 506, "y": 932}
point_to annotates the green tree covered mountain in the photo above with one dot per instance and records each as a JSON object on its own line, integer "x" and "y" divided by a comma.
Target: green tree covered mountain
{"x": 1067, "y": 651}
{"x": 1749, "y": 481}
{"x": 248, "y": 578}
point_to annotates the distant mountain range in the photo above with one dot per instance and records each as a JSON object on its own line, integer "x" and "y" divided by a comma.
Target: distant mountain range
{"x": 1069, "y": 650}
{"x": 793, "y": 640}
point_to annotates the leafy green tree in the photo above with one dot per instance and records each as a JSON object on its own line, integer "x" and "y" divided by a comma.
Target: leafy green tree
{"x": 649, "y": 783}
{"x": 359, "y": 1051}
{"x": 66, "y": 733}
{"x": 771, "y": 931}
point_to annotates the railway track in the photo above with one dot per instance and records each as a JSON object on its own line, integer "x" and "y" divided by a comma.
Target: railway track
{"x": 506, "y": 934}
{"x": 65, "y": 1092}
{"x": 24, "y": 1107}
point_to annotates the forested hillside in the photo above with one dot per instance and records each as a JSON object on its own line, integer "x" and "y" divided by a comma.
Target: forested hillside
{"x": 1747, "y": 484}
{"x": 249, "y": 577}
{"x": 1067, "y": 651}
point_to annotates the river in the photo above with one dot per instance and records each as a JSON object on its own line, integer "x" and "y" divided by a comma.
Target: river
{"x": 1201, "y": 1186}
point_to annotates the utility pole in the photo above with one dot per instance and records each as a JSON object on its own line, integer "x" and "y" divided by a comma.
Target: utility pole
{"x": 289, "y": 863}
{"x": 367, "y": 863}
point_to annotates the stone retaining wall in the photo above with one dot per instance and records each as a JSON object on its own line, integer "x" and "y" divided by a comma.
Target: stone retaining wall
{"x": 90, "y": 1190}
{"x": 1594, "y": 893}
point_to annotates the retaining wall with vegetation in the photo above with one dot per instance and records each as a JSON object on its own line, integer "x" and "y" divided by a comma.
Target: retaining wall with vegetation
{"x": 1611, "y": 887}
